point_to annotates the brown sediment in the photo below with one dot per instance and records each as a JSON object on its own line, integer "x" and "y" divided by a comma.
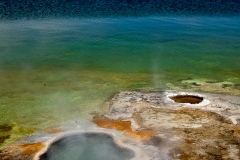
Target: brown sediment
{"x": 187, "y": 99}
{"x": 31, "y": 149}
{"x": 21, "y": 152}
{"x": 4, "y": 132}
{"x": 178, "y": 153}
{"x": 4, "y": 138}
{"x": 216, "y": 141}
{"x": 5, "y": 128}
{"x": 54, "y": 130}
{"x": 226, "y": 85}
{"x": 125, "y": 127}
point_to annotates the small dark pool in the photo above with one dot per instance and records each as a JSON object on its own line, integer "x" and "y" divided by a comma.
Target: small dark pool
{"x": 90, "y": 146}
{"x": 187, "y": 99}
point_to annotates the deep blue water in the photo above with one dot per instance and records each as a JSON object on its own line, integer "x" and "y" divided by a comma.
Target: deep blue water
{"x": 12, "y": 9}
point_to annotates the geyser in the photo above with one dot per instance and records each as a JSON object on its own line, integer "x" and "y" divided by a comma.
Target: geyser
{"x": 88, "y": 146}
{"x": 193, "y": 99}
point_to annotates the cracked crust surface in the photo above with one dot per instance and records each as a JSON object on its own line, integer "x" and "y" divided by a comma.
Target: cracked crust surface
{"x": 210, "y": 130}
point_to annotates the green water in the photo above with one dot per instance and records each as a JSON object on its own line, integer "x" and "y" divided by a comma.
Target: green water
{"x": 61, "y": 70}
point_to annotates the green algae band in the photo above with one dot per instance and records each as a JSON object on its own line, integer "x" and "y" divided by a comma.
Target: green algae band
{"x": 187, "y": 99}
{"x": 90, "y": 146}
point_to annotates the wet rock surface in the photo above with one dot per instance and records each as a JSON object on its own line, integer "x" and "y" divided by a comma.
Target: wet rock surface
{"x": 125, "y": 128}
{"x": 206, "y": 130}
{"x": 21, "y": 152}
{"x": 48, "y": 144}
{"x": 153, "y": 126}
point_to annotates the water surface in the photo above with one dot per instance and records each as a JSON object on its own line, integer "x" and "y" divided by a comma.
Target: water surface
{"x": 88, "y": 146}
{"x": 54, "y": 71}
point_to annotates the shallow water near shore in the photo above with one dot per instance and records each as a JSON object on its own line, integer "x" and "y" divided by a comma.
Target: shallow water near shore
{"x": 58, "y": 70}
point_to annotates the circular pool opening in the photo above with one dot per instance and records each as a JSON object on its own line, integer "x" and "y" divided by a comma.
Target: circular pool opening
{"x": 193, "y": 99}
{"x": 89, "y": 146}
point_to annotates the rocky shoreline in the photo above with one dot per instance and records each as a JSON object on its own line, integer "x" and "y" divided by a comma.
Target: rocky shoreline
{"x": 206, "y": 130}
{"x": 155, "y": 126}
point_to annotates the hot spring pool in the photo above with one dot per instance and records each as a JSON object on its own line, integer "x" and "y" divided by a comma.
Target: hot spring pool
{"x": 89, "y": 146}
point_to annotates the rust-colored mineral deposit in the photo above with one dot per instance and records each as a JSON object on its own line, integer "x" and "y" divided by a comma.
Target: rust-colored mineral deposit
{"x": 21, "y": 152}
{"x": 125, "y": 127}
{"x": 54, "y": 130}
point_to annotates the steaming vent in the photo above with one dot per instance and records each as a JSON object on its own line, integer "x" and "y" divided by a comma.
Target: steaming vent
{"x": 88, "y": 146}
{"x": 193, "y": 99}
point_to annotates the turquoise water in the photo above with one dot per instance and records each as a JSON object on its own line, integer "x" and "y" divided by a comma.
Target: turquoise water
{"x": 54, "y": 71}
